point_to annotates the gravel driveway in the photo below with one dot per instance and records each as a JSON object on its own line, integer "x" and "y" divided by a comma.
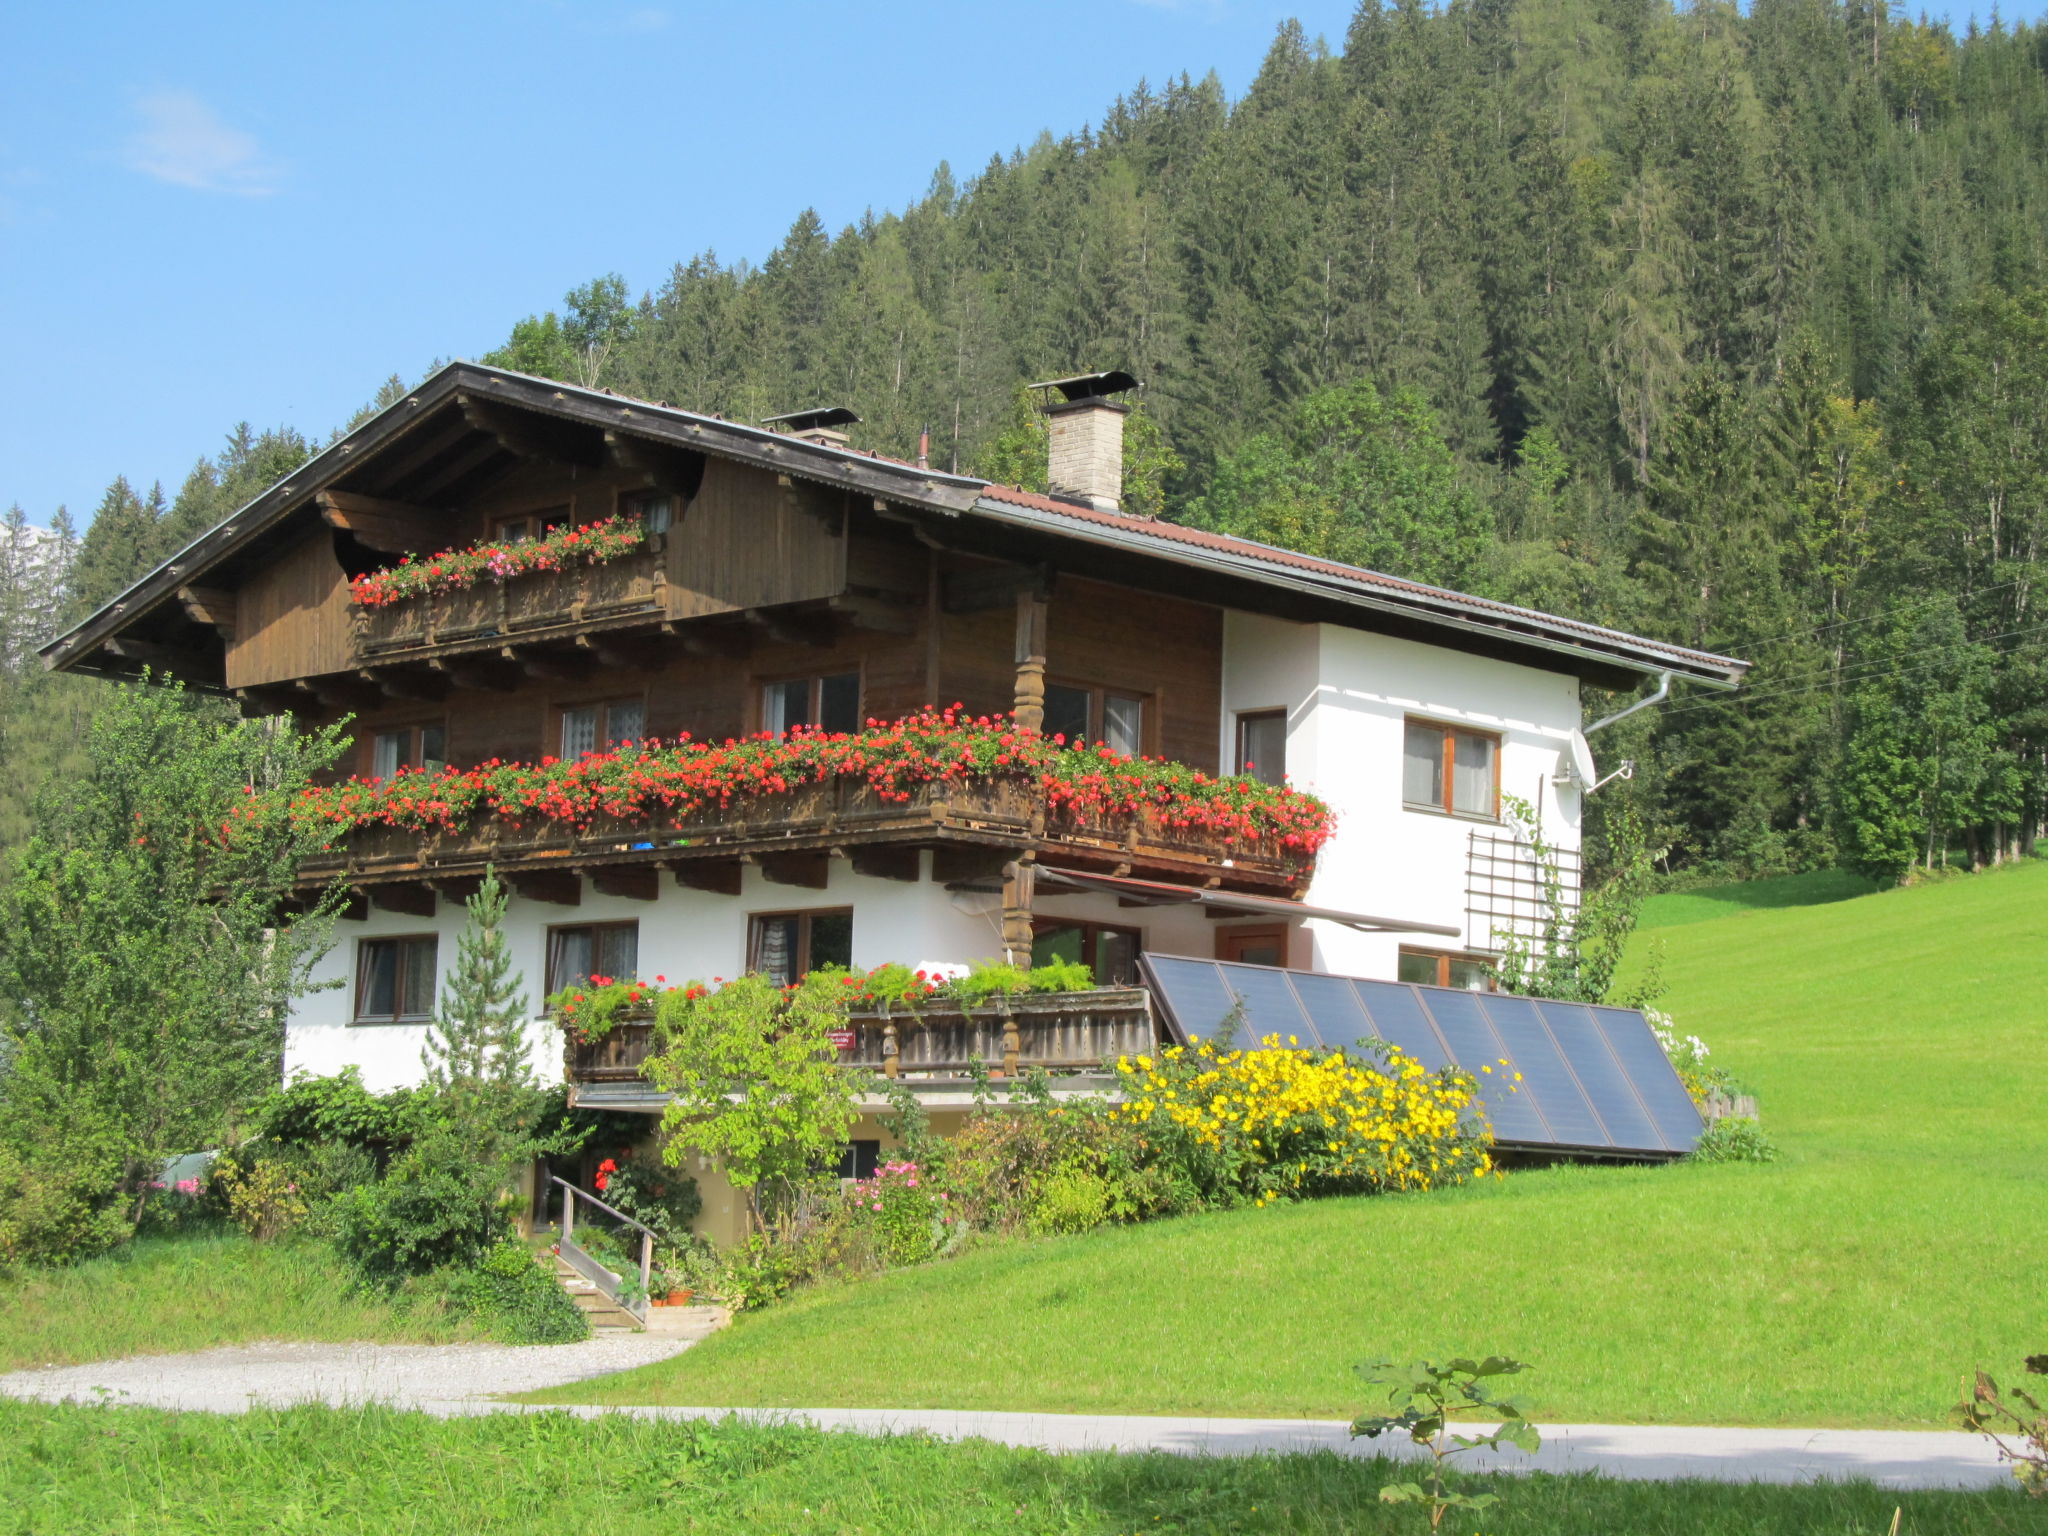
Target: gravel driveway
{"x": 441, "y": 1378}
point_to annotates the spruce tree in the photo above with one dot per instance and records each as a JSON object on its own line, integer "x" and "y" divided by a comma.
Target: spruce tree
{"x": 479, "y": 1036}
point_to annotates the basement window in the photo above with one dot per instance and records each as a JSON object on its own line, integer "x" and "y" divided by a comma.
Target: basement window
{"x": 787, "y": 946}
{"x": 395, "y": 979}
{"x": 1433, "y": 968}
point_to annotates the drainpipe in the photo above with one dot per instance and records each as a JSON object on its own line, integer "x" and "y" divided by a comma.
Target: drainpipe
{"x": 1663, "y": 692}
{"x": 1583, "y": 771}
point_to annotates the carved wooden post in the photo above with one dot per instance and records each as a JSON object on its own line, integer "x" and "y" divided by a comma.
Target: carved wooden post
{"x": 1029, "y": 705}
{"x": 890, "y": 1050}
{"x": 1013, "y": 1045}
{"x": 1019, "y": 878}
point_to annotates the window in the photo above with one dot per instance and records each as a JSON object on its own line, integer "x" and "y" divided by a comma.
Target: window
{"x": 830, "y": 703}
{"x": 583, "y": 950}
{"x": 1262, "y": 744}
{"x": 1253, "y": 946}
{"x": 1082, "y": 713}
{"x": 654, "y": 508}
{"x": 422, "y": 746}
{"x": 1110, "y": 952}
{"x": 593, "y": 727}
{"x": 394, "y": 979}
{"x": 528, "y": 525}
{"x": 860, "y": 1159}
{"x": 784, "y": 946}
{"x": 1428, "y": 968}
{"x": 1446, "y": 769}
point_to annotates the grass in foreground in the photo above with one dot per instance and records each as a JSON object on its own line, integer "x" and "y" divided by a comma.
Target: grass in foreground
{"x": 1899, "y": 1051}
{"x": 166, "y": 1295}
{"x": 325, "y": 1471}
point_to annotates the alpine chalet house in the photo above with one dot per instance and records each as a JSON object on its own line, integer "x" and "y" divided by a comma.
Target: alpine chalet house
{"x": 760, "y": 579}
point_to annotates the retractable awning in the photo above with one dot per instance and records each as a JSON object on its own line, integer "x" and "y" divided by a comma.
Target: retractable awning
{"x": 1156, "y": 893}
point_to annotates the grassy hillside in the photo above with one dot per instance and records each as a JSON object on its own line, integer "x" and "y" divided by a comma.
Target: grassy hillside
{"x": 1899, "y": 1045}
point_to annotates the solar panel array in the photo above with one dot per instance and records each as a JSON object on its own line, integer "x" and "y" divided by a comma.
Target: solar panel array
{"x": 1593, "y": 1078}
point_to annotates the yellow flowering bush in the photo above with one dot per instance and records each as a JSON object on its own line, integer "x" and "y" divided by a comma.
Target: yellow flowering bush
{"x": 1279, "y": 1122}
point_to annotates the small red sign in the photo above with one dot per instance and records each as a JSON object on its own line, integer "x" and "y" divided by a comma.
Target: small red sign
{"x": 842, "y": 1039}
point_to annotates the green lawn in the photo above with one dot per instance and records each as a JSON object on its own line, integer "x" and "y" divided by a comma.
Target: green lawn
{"x": 1697, "y": 906}
{"x": 325, "y": 1473}
{"x": 1898, "y": 1043}
{"x": 162, "y": 1295}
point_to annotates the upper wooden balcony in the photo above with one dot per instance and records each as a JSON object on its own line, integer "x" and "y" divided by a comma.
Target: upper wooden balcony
{"x": 975, "y": 825}
{"x": 535, "y": 606}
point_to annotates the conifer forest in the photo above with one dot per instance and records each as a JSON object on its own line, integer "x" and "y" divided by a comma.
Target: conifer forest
{"x": 1724, "y": 327}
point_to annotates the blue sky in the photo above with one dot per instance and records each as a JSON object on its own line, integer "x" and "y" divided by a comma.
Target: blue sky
{"x": 238, "y": 211}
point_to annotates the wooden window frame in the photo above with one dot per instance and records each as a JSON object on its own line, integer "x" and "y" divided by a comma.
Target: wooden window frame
{"x": 563, "y": 514}
{"x": 363, "y": 945}
{"x": 1280, "y": 931}
{"x": 1451, "y": 730}
{"x": 1444, "y": 959}
{"x": 1098, "y": 694}
{"x": 547, "y": 953}
{"x": 412, "y": 728}
{"x": 561, "y": 707}
{"x": 800, "y": 964}
{"x": 1244, "y": 716}
{"x": 1092, "y": 930}
{"x": 623, "y": 505}
{"x": 816, "y": 681}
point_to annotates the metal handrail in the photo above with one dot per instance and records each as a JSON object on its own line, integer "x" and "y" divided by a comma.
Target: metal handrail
{"x": 570, "y": 1195}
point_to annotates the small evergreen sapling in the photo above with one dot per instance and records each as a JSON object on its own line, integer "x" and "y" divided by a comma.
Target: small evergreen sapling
{"x": 479, "y": 1036}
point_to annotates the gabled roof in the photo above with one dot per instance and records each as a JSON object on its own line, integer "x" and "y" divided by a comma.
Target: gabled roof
{"x": 465, "y": 423}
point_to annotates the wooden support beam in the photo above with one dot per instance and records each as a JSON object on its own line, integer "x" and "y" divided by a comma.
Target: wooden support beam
{"x": 562, "y": 887}
{"x": 985, "y": 588}
{"x": 875, "y": 615}
{"x": 428, "y": 687}
{"x": 478, "y": 672}
{"x": 721, "y": 640}
{"x": 389, "y": 527}
{"x": 415, "y": 900}
{"x": 531, "y": 436}
{"x": 623, "y": 653}
{"x": 457, "y": 887}
{"x": 355, "y": 908}
{"x": 570, "y": 667}
{"x": 888, "y": 861}
{"x": 810, "y": 869}
{"x": 212, "y": 606}
{"x": 464, "y": 464}
{"x": 264, "y": 700}
{"x": 721, "y": 877}
{"x": 347, "y": 695}
{"x": 679, "y": 471}
{"x": 401, "y": 463}
{"x": 809, "y": 629}
{"x": 959, "y": 864}
{"x": 1019, "y": 886}
{"x": 1029, "y": 703}
{"x": 635, "y": 883}
{"x": 188, "y": 666}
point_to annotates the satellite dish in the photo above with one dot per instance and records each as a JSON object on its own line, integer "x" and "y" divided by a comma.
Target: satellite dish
{"x": 1575, "y": 764}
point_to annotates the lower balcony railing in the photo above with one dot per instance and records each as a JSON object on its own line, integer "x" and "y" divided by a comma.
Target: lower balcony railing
{"x": 1056, "y": 1031}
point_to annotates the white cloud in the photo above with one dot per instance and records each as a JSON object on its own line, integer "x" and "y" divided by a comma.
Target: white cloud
{"x": 183, "y": 141}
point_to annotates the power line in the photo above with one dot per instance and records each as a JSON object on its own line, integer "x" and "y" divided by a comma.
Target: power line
{"x": 1818, "y": 629}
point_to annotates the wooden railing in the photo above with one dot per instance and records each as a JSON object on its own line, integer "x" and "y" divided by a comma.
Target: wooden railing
{"x": 587, "y": 1266}
{"x": 521, "y": 606}
{"x": 1005, "y": 812}
{"x": 1057, "y": 1031}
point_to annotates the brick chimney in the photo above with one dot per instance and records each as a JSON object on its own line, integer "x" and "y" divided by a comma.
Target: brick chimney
{"x": 818, "y": 425}
{"x": 1086, "y": 429}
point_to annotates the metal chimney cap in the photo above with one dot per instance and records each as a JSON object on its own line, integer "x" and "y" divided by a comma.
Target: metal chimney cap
{"x": 812, "y": 419}
{"x": 1087, "y": 386}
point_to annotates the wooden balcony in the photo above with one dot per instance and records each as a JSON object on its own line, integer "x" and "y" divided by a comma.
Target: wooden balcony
{"x": 537, "y": 605}
{"x": 1061, "y": 1032}
{"x": 1001, "y": 816}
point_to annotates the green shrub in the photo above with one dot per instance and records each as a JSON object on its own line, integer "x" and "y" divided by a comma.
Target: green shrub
{"x": 1062, "y": 976}
{"x": 513, "y": 1295}
{"x": 438, "y": 1206}
{"x": 1069, "y": 1200}
{"x": 1735, "y": 1139}
{"x": 986, "y": 979}
{"x": 904, "y": 1211}
{"x": 646, "y": 1188}
{"x": 761, "y": 1269}
{"x": 314, "y": 1110}
{"x": 57, "y": 1205}
{"x": 1028, "y": 1170}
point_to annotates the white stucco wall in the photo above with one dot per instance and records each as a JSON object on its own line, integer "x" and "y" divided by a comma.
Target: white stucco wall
{"x": 1348, "y": 695}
